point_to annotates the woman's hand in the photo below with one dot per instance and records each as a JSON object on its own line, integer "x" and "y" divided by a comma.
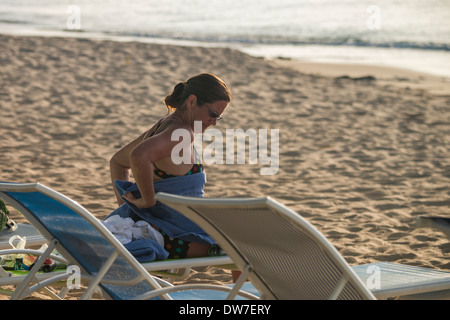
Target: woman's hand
{"x": 141, "y": 202}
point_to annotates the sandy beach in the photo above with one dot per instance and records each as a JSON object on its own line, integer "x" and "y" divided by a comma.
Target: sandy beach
{"x": 364, "y": 150}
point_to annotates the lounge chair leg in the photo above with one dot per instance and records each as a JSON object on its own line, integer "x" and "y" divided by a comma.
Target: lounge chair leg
{"x": 239, "y": 283}
{"x": 63, "y": 292}
{"x": 339, "y": 287}
{"x": 92, "y": 286}
{"x": 51, "y": 294}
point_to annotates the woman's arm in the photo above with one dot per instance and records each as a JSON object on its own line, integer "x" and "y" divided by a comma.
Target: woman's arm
{"x": 119, "y": 165}
{"x": 142, "y": 158}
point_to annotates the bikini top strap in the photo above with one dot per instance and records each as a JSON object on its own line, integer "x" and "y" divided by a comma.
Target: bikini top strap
{"x": 158, "y": 124}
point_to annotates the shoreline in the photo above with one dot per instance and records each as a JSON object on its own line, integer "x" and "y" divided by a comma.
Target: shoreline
{"x": 385, "y": 75}
{"x": 359, "y": 159}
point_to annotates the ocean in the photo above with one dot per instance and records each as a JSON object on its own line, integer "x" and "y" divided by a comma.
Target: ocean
{"x": 411, "y": 34}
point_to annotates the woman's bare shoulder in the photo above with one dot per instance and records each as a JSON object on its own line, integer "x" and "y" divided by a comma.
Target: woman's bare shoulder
{"x": 166, "y": 126}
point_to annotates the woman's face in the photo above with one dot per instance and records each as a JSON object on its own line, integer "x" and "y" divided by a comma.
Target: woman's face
{"x": 209, "y": 113}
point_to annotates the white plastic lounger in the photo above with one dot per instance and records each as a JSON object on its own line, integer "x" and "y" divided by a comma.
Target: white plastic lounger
{"x": 177, "y": 269}
{"x": 404, "y": 281}
{"x": 285, "y": 257}
{"x": 174, "y": 269}
{"x": 33, "y": 237}
{"x": 105, "y": 264}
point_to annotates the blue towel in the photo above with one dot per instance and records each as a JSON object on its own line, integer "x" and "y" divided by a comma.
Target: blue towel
{"x": 173, "y": 223}
{"x": 146, "y": 250}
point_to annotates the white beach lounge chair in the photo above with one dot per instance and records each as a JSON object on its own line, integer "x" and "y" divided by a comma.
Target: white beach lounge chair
{"x": 83, "y": 241}
{"x": 33, "y": 237}
{"x": 285, "y": 257}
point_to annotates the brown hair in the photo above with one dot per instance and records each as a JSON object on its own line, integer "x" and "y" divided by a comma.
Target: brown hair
{"x": 207, "y": 87}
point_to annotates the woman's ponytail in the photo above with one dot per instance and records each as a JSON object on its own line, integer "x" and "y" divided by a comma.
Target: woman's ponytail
{"x": 175, "y": 99}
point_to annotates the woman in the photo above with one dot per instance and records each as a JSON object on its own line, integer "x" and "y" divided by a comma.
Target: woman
{"x": 149, "y": 157}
